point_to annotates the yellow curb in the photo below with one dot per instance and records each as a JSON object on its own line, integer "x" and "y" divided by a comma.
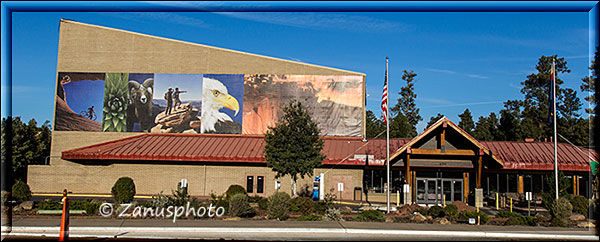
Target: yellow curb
{"x": 349, "y": 203}
{"x": 82, "y": 195}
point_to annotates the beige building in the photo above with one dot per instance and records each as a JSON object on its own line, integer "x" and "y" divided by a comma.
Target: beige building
{"x": 443, "y": 163}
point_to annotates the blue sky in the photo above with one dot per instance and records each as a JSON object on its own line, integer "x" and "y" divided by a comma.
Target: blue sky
{"x": 463, "y": 60}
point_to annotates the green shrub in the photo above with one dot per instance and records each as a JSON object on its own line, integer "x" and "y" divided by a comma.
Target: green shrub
{"x": 465, "y": 215}
{"x": 239, "y": 206}
{"x": 263, "y": 203}
{"x": 512, "y": 221}
{"x": 219, "y": 201}
{"x": 422, "y": 210}
{"x": 302, "y": 205}
{"x": 370, "y": 215}
{"x": 581, "y": 205}
{"x": 254, "y": 199}
{"x": 49, "y": 205}
{"x": 451, "y": 210}
{"x": 596, "y": 214}
{"x": 159, "y": 200}
{"x": 4, "y": 197}
{"x": 558, "y": 222}
{"x": 521, "y": 220}
{"x": 529, "y": 221}
{"x": 333, "y": 214}
{"x": 436, "y": 212}
{"x": 319, "y": 207}
{"x": 123, "y": 190}
{"x": 90, "y": 207}
{"x": 312, "y": 217}
{"x": 561, "y": 209}
{"x": 234, "y": 189}
{"x": 21, "y": 191}
{"x": 508, "y": 214}
{"x": 279, "y": 206}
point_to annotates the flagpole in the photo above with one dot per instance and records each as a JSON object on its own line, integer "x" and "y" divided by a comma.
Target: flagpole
{"x": 554, "y": 116}
{"x": 387, "y": 104}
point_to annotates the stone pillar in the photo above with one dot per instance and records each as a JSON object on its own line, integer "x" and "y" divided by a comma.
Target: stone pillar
{"x": 479, "y": 197}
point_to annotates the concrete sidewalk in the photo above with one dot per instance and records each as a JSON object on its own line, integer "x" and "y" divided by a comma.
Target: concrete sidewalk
{"x": 285, "y": 230}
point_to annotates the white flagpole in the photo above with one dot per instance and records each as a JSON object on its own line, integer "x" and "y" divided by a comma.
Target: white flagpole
{"x": 387, "y": 104}
{"x": 555, "y": 153}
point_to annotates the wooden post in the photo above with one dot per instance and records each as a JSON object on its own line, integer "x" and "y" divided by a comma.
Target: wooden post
{"x": 443, "y": 138}
{"x": 520, "y": 187}
{"x": 413, "y": 179}
{"x": 575, "y": 185}
{"x": 407, "y": 166}
{"x": 479, "y": 168}
{"x": 466, "y": 187}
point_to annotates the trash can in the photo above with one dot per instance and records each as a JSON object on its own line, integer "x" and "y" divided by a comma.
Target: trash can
{"x": 357, "y": 193}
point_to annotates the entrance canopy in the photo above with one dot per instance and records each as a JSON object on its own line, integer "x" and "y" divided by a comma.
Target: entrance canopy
{"x": 444, "y": 144}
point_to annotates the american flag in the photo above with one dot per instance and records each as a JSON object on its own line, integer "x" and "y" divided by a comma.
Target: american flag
{"x": 384, "y": 98}
{"x": 551, "y": 99}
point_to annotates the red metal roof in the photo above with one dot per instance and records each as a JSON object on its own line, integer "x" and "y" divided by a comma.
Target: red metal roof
{"x": 540, "y": 155}
{"x": 339, "y": 150}
{"x": 220, "y": 148}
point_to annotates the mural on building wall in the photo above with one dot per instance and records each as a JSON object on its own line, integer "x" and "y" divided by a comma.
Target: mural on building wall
{"x": 116, "y": 102}
{"x": 177, "y": 103}
{"x": 222, "y": 100}
{"x": 209, "y": 103}
{"x": 139, "y": 106}
{"x": 335, "y": 101}
{"x": 79, "y": 100}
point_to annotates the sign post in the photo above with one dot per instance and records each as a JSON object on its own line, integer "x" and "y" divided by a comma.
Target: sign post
{"x": 528, "y": 197}
{"x": 340, "y": 189}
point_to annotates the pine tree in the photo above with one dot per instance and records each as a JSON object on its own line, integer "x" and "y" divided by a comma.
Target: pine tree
{"x": 374, "y": 126}
{"x": 589, "y": 85}
{"x": 466, "y": 122}
{"x": 405, "y": 114}
{"x": 432, "y": 120}
{"x": 293, "y": 146}
{"x": 487, "y": 128}
{"x": 30, "y": 145}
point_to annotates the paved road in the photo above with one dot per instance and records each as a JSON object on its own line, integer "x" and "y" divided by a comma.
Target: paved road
{"x": 90, "y": 228}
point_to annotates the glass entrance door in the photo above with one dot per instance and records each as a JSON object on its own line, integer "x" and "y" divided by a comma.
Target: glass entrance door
{"x": 438, "y": 190}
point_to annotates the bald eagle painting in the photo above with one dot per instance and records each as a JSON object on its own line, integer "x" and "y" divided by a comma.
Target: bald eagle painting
{"x": 215, "y": 97}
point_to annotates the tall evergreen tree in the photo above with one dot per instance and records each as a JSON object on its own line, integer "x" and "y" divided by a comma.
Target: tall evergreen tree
{"x": 405, "y": 114}
{"x": 400, "y": 128}
{"x": 589, "y": 84}
{"x": 487, "y": 128}
{"x": 434, "y": 119}
{"x": 537, "y": 93}
{"x": 30, "y": 145}
{"x": 509, "y": 127}
{"x": 374, "y": 126}
{"x": 466, "y": 122}
{"x": 293, "y": 146}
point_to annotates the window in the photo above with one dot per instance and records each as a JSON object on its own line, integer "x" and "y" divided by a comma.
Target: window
{"x": 537, "y": 183}
{"x": 260, "y": 184}
{"x": 527, "y": 183}
{"x": 503, "y": 183}
{"x": 250, "y": 184}
{"x": 512, "y": 182}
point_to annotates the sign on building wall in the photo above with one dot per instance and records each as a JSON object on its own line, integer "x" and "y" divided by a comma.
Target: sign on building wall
{"x": 204, "y": 103}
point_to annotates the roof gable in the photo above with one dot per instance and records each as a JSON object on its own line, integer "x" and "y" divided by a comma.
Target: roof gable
{"x": 457, "y": 138}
